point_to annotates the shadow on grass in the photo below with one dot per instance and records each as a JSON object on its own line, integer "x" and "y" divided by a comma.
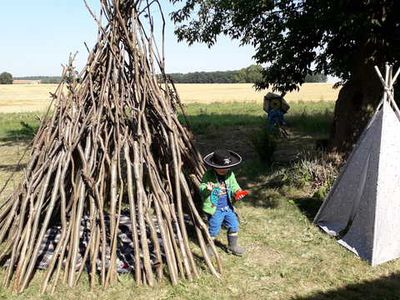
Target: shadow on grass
{"x": 308, "y": 206}
{"x": 264, "y": 193}
{"x": 12, "y": 168}
{"x": 24, "y": 132}
{"x": 387, "y": 287}
{"x": 214, "y": 130}
{"x": 208, "y": 123}
{"x": 317, "y": 122}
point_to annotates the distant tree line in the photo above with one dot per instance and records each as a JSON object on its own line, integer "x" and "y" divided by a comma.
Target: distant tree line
{"x": 251, "y": 74}
{"x": 43, "y": 79}
{"x": 316, "y": 78}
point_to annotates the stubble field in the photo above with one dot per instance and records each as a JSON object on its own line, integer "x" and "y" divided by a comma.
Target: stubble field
{"x": 36, "y": 97}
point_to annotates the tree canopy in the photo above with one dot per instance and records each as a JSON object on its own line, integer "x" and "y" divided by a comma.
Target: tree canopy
{"x": 296, "y": 38}
{"x": 6, "y": 78}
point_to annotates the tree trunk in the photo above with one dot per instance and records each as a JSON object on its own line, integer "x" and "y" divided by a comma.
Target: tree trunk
{"x": 356, "y": 102}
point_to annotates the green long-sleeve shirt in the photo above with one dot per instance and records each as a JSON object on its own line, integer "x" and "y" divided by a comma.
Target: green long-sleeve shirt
{"x": 210, "y": 176}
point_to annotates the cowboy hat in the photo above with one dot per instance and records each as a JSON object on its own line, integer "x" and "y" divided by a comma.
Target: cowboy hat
{"x": 222, "y": 159}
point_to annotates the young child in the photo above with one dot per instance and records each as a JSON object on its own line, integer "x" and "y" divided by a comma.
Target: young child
{"x": 219, "y": 189}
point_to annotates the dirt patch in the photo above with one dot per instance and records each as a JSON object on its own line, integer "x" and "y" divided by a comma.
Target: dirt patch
{"x": 239, "y": 139}
{"x": 263, "y": 254}
{"x": 10, "y": 167}
{"x": 234, "y": 138}
{"x": 289, "y": 149}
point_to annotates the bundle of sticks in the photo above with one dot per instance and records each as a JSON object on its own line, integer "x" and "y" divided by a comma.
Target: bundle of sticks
{"x": 112, "y": 142}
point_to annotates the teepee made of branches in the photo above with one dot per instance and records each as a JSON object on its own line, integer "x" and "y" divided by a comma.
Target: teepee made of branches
{"x": 110, "y": 155}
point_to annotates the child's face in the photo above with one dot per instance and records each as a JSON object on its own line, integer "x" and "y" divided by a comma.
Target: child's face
{"x": 221, "y": 171}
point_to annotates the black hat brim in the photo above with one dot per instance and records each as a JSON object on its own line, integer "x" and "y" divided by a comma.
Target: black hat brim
{"x": 235, "y": 160}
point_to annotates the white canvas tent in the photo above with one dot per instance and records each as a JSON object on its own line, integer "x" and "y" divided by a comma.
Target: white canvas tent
{"x": 363, "y": 207}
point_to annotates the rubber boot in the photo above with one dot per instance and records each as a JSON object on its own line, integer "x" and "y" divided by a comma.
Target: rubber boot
{"x": 210, "y": 251}
{"x": 233, "y": 246}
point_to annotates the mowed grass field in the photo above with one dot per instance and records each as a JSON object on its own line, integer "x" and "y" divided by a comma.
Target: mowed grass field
{"x": 287, "y": 256}
{"x": 35, "y": 97}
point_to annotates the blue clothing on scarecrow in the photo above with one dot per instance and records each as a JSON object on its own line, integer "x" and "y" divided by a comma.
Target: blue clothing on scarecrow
{"x": 275, "y": 107}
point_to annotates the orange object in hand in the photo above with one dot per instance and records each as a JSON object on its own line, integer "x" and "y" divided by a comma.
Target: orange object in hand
{"x": 240, "y": 194}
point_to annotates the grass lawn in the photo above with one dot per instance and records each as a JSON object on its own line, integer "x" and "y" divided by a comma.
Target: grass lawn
{"x": 287, "y": 256}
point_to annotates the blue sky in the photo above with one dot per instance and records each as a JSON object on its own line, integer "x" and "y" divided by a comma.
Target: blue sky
{"x": 37, "y": 36}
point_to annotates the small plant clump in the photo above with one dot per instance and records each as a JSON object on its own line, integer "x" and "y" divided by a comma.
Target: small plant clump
{"x": 316, "y": 173}
{"x": 264, "y": 143}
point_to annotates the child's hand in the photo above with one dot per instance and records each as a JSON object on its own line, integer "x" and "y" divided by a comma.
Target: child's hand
{"x": 240, "y": 194}
{"x": 210, "y": 186}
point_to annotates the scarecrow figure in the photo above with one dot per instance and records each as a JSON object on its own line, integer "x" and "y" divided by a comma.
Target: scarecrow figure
{"x": 275, "y": 107}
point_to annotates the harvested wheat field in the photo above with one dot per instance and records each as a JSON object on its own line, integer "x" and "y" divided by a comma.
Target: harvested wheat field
{"x": 208, "y": 93}
{"x": 36, "y": 97}
{"x": 25, "y": 97}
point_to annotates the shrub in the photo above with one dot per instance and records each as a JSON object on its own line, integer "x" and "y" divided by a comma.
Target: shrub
{"x": 264, "y": 144}
{"x": 6, "y": 78}
{"x": 315, "y": 173}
